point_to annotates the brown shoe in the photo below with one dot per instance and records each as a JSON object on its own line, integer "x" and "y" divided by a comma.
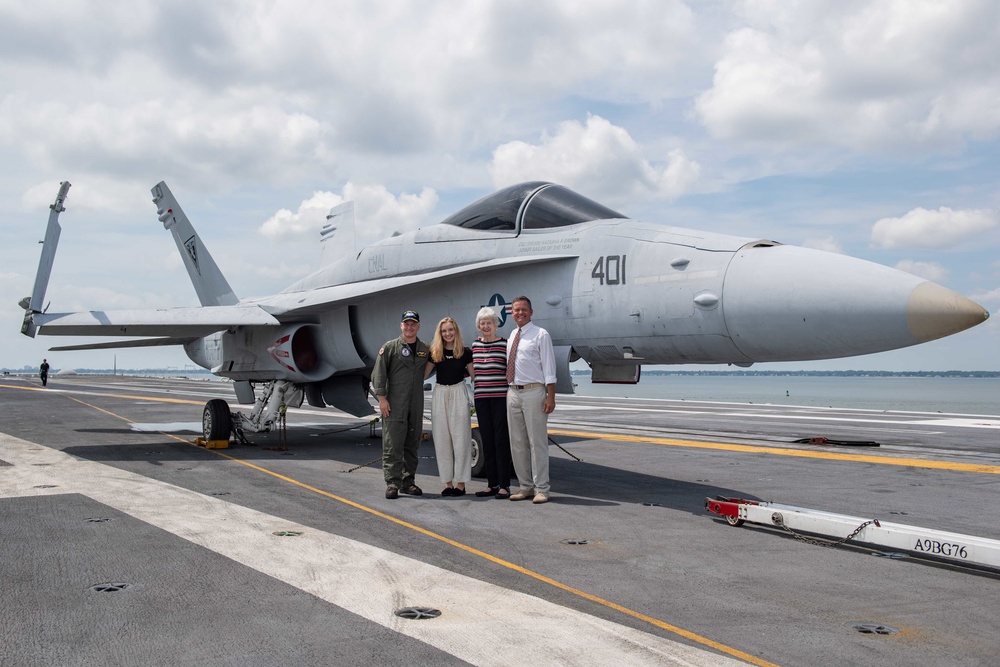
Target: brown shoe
{"x": 540, "y": 498}
{"x": 391, "y": 492}
{"x": 412, "y": 490}
{"x": 523, "y": 494}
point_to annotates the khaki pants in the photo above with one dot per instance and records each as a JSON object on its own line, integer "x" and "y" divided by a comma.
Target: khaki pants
{"x": 529, "y": 437}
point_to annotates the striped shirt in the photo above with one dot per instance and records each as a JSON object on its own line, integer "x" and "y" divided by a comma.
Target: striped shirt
{"x": 489, "y": 360}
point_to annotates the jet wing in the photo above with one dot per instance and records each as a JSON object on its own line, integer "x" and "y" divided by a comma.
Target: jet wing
{"x": 292, "y": 306}
{"x": 181, "y": 324}
{"x": 173, "y": 322}
{"x": 119, "y": 344}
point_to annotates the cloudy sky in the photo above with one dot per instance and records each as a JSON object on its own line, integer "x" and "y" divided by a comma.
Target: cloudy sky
{"x": 869, "y": 129}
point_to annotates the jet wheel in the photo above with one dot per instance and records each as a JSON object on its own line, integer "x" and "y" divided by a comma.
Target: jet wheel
{"x": 734, "y": 521}
{"x": 216, "y": 421}
{"x": 478, "y": 457}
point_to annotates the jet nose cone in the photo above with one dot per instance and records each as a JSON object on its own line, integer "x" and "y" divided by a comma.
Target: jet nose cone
{"x": 934, "y": 312}
{"x": 784, "y": 303}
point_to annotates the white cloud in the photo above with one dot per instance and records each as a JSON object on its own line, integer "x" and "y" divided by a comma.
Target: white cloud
{"x": 943, "y": 228}
{"x": 598, "y": 158}
{"x": 377, "y": 212}
{"x": 90, "y": 194}
{"x": 219, "y": 141}
{"x": 860, "y": 75}
{"x": 307, "y": 220}
{"x": 372, "y": 77}
{"x": 932, "y": 271}
{"x": 253, "y": 107}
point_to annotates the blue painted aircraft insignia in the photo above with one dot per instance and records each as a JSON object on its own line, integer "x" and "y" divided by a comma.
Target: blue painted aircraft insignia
{"x": 503, "y": 308}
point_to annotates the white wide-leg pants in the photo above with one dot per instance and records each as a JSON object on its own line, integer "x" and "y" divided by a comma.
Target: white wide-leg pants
{"x": 451, "y": 427}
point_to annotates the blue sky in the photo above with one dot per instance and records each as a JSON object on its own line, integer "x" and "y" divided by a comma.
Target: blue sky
{"x": 864, "y": 128}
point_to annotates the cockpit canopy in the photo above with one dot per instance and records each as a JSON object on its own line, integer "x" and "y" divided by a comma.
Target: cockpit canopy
{"x": 533, "y": 205}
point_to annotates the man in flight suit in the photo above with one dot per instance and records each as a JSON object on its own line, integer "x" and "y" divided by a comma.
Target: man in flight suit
{"x": 398, "y": 380}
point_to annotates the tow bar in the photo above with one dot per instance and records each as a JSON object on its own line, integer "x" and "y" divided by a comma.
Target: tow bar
{"x": 913, "y": 540}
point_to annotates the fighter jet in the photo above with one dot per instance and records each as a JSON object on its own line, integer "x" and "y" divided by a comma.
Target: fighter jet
{"x": 615, "y": 292}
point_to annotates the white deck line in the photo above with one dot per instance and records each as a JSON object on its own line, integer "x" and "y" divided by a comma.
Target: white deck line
{"x": 477, "y": 617}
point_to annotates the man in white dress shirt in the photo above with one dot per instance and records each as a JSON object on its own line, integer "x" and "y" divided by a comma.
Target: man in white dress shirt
{"x": 531, "y": 374}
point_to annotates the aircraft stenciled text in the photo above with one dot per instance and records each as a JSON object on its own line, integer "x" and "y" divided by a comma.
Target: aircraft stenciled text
{"x": 609, "y": 270}
{"x": 547, "y": 245}
{"x": 376, "y": 263}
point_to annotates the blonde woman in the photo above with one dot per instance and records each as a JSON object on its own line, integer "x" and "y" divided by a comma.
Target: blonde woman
{"x": 451, "y": 423}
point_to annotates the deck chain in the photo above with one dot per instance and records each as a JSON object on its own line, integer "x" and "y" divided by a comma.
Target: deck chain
{"x": 779, "y": 521}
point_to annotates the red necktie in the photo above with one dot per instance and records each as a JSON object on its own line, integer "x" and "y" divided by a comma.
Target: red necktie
{"x": 511, "y": 356}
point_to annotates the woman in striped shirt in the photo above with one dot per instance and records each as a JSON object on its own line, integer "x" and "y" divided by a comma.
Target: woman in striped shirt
{"x": 489, "y": 359}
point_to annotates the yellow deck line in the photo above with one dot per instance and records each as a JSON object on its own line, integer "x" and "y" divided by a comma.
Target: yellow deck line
{"x": 784, "y": 451}
{"x": 673, "y": 442}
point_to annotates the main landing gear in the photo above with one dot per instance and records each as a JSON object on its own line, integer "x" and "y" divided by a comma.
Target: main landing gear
{"x": 216, "y": 420}
{"x": 218, "y": 423}
{"x": 478, "y": 457}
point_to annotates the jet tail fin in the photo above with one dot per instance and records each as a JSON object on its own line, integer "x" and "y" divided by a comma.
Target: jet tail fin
{"x": 33, "y": 303}
{"x": 212, "y": 287}
{"x": 339, "y": 226}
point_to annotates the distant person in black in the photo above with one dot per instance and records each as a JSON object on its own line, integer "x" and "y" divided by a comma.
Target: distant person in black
{"x": 43, "y": 372}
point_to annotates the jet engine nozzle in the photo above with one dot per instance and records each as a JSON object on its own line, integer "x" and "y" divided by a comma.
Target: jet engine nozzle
{"x": 297, "y": 350}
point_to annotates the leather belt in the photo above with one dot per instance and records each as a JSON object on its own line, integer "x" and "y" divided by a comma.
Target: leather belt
{"x": 530, "y": 385}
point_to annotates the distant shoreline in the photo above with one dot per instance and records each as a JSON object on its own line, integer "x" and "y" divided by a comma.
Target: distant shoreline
{"x": 576, "y": 373}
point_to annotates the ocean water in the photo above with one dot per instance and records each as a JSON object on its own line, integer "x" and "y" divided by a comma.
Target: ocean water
{"x": 977, "y": 396}
{"x": 958, "y": 395}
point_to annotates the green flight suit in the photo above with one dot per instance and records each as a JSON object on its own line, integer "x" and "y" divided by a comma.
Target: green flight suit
{"x": 399, "y": 376}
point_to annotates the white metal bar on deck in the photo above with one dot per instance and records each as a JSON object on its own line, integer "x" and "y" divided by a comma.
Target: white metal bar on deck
{"x": 938, "y": 544}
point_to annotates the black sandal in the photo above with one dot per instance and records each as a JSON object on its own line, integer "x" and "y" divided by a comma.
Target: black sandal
{"x": 503, "y": 493}
{"x": 492, "y": 491}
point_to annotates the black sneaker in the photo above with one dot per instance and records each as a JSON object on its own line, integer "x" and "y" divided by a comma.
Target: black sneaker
{"x": 412, "y": 490}
{"x": 391, "y": 492}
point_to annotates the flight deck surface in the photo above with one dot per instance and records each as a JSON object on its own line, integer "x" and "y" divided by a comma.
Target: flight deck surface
{"x": 124, "y": 543}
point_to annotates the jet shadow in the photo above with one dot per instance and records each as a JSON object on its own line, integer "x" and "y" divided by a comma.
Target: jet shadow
{"x": 356, "y": 446}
